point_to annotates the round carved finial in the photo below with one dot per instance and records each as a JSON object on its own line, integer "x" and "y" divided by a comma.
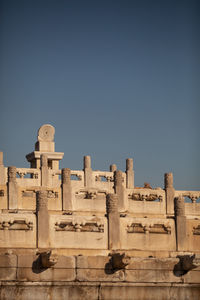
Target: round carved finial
{"x": 46, "y": 133}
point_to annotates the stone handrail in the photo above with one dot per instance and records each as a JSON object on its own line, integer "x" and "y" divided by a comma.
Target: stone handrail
{"x": 193, "y": 195}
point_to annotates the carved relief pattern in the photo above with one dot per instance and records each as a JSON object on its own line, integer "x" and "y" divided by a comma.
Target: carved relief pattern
{"x": 149, "y": 228}
{"x": 42, "y": 201}
{"x": 16, "y": 225}
{"x": 112, "y": 203}
{"x": 52, "y": 194}
{"x": 1, "y": 193}
{"x": 90, "y": 193}
{"x": 79, "y": 226}
{"x": 145, "y": 197}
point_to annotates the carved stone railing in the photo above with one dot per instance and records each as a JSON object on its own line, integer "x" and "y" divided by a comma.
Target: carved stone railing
{"x": 192, "y": 202}
{"x": 101, "y": 176}
{"x": 148, "y": 201}
{"x": 77, "y": 175}
{"x": 192, "y": 195}
{"x": 16, "y": 224}
{"x": 33, "y": 180}
{"x": 146, "y": 195}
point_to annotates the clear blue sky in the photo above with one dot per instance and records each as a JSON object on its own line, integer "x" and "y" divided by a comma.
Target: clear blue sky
{"x": 117, "y": 79}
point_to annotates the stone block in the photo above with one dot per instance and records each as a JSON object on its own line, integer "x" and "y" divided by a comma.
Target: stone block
{"x": 192, "y": 276}
{"x": 152, "y": 263}
{"x": 99, "y": 275}
{"x": 50, "y": 274}
{"x": 91, "y": 262}
{"x": 7, "y": 273}
{"x": 8, "y": 260}
{"x": 145, "y": 292}
{"x": 45, "y": 291}
{"x": 151, "y": 276}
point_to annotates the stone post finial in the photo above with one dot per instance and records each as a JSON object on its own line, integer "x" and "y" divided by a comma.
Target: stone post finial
{"x": 12, "y": 171}
{"x": 170, "y": 193}
{"x": 66, "y": 190}
{"x": 129, "y": 173}
{"x": 12, "y": 188}
{"x": 129, "y": 164}
{"x": 87, "y": 162}
{"x": 2, "y": 170}
{"x": 179, "y": 206}
{"x": 168, "y": 180}
{"x": 113, "y": 168}
{"x": 88, "y": 179}
{"x": 1, "y": 158}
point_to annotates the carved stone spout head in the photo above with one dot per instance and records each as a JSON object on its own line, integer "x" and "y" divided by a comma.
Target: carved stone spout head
{"x": 120, "y": 261}
{"x": 48, "y": 259}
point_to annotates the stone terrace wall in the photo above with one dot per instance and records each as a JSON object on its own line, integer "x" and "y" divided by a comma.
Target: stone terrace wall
{"x": 85, "y": 234}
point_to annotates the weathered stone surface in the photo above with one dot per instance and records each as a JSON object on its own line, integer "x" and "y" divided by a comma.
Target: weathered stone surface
{"x": 155, "y": 276}
{"x": 8, "y": 260}
{"x": 49, "y": 274}
{"x": 72, "y": 291}
{"x": 145, "y": 292}
{"x": 99, "y": 275}
{"x": 89, "y": 262}
{"x": 7, "y": 273}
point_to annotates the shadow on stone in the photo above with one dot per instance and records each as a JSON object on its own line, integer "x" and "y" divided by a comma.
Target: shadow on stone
{"x": 37, "y": 266}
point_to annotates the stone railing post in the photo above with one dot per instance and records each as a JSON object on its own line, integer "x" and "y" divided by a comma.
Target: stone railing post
{"x": 2, "y": 170}
{"x": 87, "y": 171}
{"x": 119, "y": 189}
{"x": 12, "y": 188}
{"x": 113, "y": 222}
{"x": 44, "y": 170}
{"x": 66, "y": 189}
{"x": 129, "y": 173}
{"x": 169, "y": 192}
{"x": 42, "y": 220}
{"x": 181, "y": 230}
{"x": 113, "y": 168}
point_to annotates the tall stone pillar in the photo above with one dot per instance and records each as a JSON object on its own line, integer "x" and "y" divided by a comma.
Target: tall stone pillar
{"x": 87, "y": 171}
{"x": 113, "y": 168}
{"x": 169, "y": 193}
{"x": 129, "y": 173}
{"x": 2, "y": 170}
{"x": 113, "y": 222}
{"x": 181, "y": 232}
{"x": 119, "y": 189}
{"x": 44, "y": 170}
{"x": 66, "y": 189}
{"x": 42, "y": 220}
{"x": 12, "y": 188}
